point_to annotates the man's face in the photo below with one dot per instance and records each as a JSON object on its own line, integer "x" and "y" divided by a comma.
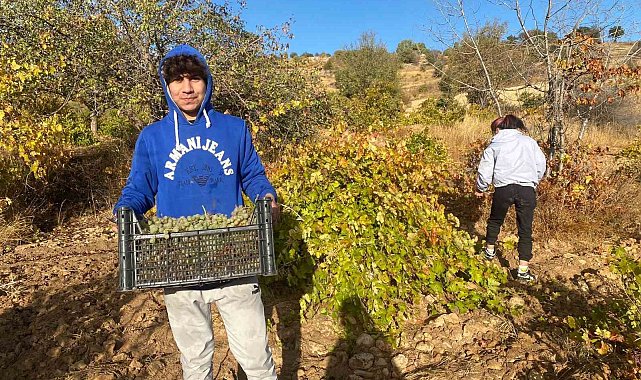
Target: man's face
{"x": 188, "y": 93}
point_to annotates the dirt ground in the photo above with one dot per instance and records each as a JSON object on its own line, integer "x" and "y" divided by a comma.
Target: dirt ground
{"x": 62, "y": 318}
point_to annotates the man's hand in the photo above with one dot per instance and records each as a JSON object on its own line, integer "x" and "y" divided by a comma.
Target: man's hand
{"x": 275, "y": 212}
{"x": 275, "y": 209}
{"x": 479, "y": 194}
{"x": 114, "y": 223}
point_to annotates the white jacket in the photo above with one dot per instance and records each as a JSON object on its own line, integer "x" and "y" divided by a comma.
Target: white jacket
{"x": 511, "y": 158}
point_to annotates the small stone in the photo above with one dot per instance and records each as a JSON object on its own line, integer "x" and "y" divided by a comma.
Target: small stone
{"x": 494, "y": 364}
{"x": 376, "y": 352}
{"x": 120, "y": 357}
{"x": 400, "y": 362}
{"x": 452, "y": 318}
{"x": 135, "y": 364}
{"x": 382, "y": 345}
{"x": 380, "y": 362}
{"x": 53, "y": 352}
{"x": 424, "y": 347}
{"x": 365, "y": 340}
{"x": 79, "y": 365}
{"x": 317, "y": 349}
{"x": 300, "y": 373}
{"x": 364, "y": 374}
{"x": 439, "y": 321}
{"x": 341, "y": 357}
{"x": 362, "y": 360}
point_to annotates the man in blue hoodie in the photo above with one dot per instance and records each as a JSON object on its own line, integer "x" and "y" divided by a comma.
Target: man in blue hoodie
{"x": 192, "y": 161}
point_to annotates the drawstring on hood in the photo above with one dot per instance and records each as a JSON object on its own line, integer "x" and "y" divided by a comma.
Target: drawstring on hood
{"x": 176, "y": 128}
{"x": 206, "y": 106}
{"x": 207, "y": 125}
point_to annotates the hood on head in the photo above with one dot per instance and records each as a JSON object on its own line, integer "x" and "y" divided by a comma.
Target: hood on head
{"x": 173, "y": 108}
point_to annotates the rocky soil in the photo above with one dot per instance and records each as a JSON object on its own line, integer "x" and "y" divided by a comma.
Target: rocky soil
{"x": 62, "y": 318}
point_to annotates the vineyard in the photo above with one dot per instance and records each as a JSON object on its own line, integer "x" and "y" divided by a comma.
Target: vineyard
{"x": 373, "y": 155}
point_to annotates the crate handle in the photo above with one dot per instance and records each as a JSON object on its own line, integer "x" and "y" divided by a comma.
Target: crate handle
{"x": 126, "y": 229}
{"x": 264, "y": 208}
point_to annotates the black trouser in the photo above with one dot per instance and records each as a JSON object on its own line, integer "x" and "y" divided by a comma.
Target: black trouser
{"x": 524, "y": 200}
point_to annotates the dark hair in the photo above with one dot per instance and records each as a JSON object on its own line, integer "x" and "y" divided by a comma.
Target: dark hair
{"x": 495, "y": 124}
{"x": 179, "y": 65}
{"x": 508, "y": 122}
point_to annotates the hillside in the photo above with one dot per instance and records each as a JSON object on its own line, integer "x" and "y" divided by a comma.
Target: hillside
{"x": 62, "y": 318}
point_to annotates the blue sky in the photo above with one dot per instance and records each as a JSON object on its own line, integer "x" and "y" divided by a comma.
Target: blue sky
{"x": 329, "y": 25}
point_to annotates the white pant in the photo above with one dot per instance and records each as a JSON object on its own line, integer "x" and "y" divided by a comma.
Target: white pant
{"x": 241, "y": 308}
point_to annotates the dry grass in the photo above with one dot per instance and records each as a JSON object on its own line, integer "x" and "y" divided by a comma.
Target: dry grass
{"x": 459, "y": 136}
{"x": 14, "y": 231}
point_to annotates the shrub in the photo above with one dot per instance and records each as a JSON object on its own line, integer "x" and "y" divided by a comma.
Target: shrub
{"x": 365, "y": 65}
{"x": 76, "y": 120}
{"x": 531, "y": 102}
{"x": 629, "y": 160}
{"x": 282, "y": 103}
{"x": 615, "y": 324}
{"x": 580, "y": 184}
{"x": 377, "y": 109}
{"x": 627, "y": 265}
{"x": 436, "y": 111}
{"x": 419, "y": 142}
{"x": 29, "y": 142}
{"x": 364, "y": 223}
{"x": 113, "y": 124}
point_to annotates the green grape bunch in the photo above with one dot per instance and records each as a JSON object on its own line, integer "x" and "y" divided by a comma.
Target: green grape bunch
{"x": 240, "y": 216}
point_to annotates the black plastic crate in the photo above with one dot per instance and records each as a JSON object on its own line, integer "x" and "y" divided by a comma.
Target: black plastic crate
{"x": 194, "y": 257}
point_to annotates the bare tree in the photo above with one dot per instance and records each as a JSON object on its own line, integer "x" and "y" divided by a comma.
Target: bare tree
{"x": 580, "y": 70}
{"x": 450, "y": 12}
{"x": 576, "y": 72}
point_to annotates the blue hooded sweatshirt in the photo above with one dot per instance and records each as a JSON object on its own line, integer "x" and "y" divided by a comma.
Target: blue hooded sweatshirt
{"x": 188, "y": 168}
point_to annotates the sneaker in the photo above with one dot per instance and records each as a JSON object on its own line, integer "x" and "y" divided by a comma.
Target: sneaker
{"x": 489, "y": 255}
{"x": 526, "y": 276}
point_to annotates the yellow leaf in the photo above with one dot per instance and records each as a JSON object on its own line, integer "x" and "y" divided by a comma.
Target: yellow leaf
{"x": 604, "y": 349}
{"x": 34, "y": 167}
{"x": 571, "y": 322}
